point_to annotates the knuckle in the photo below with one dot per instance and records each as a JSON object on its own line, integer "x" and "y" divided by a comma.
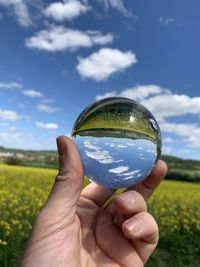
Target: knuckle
{"x": 140, "y": 199}
{"x": 68, "y": 176}
{"x": 60, "y": 178}
{"x": 132, "y": 200}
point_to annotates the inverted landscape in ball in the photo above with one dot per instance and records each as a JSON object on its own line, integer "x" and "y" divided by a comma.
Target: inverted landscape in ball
{"x": 119, "y": 141}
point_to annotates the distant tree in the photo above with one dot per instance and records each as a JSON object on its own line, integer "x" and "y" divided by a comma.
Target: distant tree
{"x": 14, "y": 161}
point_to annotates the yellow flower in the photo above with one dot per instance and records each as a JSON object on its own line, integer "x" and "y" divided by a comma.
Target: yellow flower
{"x": 3, "y": 243}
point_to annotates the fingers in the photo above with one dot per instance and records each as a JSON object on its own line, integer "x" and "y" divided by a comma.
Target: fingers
{"x": 129, "y": 212}
{"x": 148, "y": 186}
{"x": 111, "y": 241}
{"x": 68, "y": 183}
{"x": 129, "y": 202}
{"x": 99, "y": 195}
{"x": 96, "y": 193}
{"x": 141, "y": 226}
{"x": 143, "y": 232}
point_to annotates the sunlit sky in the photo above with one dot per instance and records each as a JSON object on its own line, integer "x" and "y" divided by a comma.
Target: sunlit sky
{"x": 56, "y": 58}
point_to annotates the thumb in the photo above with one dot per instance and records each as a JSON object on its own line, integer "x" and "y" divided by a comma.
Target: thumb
{"x": 68, "y": 183}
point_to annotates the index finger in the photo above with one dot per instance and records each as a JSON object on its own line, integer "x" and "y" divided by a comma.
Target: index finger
{"x": 148, "y": 185}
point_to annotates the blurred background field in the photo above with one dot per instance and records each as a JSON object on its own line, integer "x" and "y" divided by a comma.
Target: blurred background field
{"x": 175, "y": 205}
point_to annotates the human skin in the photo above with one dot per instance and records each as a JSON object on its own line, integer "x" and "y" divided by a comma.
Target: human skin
{"x": 78, "y": 228}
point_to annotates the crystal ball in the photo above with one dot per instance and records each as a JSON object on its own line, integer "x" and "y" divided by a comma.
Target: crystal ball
{"x": 119, "y": 141}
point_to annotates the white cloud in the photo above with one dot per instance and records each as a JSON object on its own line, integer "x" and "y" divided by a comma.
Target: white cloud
{"x": 167, "y": 140}
{"x": 28, "y": 140}
{"x": 190, "y": 131}
{"x": 98, "y": 38}
{"x": 11, "y": 85}
{"x": 32, "y": 93}
{"x": 164, "y": 104}
{"x": 48, "y": 101}
{"x": 167, "y": 150}
{"x": 170, "y": 105}
{"x": 46, "y": 108}
{"x": 67, "y": 10}
{"x": 138, "y": 92}
{"x": 59, "y": 38}
{"x": 20, "y": 9}
{"x": 89, "y": 145}
{"x": 119, "y": 169}
{"x": 166, "y": 21}
{"x": 182, "y": 129}
{"x": 97, "y": 153}
{"x": 108, "y": 94}
{"x": 131, "y": 173}
{"x": 9, "y": 115}
{"x": 8, "y": 137}
{"x": 116, "y": 4}
{"x": 101, "y": 156}
{"x": 47, "y": 126}
{"x": 160, "y": 101}
{"x": 100, "y": 65}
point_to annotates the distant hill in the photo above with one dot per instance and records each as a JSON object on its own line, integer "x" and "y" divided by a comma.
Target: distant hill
{"x": 178, "y": 163}
{"x": 36, "y": 152}
{"x": 179, "y": 169}
{"x": 182, "y": 169}
{"x": 42, "y": 158}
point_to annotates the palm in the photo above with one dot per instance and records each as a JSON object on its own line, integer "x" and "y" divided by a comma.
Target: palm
{"x": 96, "y": 237}
{"x": 102, "y": 240}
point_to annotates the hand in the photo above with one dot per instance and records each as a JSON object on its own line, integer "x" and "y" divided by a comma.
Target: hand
{"x": 76, "y": 229}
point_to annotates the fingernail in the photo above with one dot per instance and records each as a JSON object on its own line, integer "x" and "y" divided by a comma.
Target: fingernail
{"x": 134, "y": 226}
{"x": 127, "y": 199}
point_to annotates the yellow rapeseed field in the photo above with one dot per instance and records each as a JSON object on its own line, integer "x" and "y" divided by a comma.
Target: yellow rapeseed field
{"x": 175, "y": 205}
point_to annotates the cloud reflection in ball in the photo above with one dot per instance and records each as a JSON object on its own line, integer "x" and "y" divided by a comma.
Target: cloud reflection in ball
{"x": 119, "y": 142}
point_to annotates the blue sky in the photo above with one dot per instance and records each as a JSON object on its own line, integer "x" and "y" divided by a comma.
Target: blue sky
{"x": 58, "y": 57}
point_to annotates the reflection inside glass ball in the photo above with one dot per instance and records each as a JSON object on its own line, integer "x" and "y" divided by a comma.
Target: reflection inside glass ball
{"x": 119, "y": 142}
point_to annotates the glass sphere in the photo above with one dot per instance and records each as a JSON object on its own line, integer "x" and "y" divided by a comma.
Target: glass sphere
{"x": 119, "y": 142}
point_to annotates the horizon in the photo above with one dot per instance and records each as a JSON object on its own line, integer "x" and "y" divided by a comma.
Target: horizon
{"x": 54, "y": 62}
{"x": 31, "y": 150}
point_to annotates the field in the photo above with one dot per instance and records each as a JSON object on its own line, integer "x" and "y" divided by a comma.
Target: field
{"x": 175, "y": 205}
